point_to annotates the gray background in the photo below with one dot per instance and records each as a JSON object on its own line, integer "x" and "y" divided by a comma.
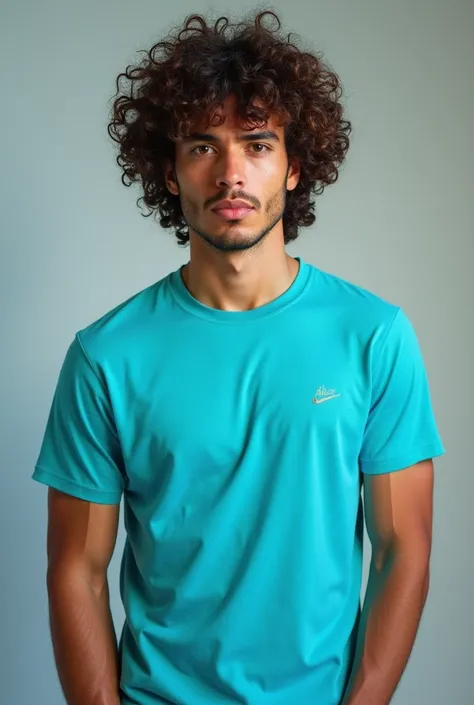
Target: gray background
{"x": 73, "y": 245}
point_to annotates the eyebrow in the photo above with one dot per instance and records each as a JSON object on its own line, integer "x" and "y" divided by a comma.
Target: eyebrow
{"x": 204, "y": 137}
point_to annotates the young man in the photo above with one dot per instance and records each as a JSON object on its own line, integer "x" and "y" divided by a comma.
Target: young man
{"x": 239, "y": 406}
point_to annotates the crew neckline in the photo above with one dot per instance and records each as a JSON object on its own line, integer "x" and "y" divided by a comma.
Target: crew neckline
{"x": 187, "y": 301}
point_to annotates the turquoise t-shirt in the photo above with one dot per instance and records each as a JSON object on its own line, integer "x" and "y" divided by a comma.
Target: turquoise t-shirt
{"x": 238, "y": 441}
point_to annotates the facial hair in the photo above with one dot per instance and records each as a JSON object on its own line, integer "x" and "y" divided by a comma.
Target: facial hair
{"x": 234, "y": 239}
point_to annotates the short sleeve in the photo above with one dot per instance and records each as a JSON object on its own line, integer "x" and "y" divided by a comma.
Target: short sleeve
{"x": 80, "y": 452}
{"x": 401, "y": 429}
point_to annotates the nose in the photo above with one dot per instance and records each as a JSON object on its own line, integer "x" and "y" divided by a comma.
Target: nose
{"x": 230, "y": 171}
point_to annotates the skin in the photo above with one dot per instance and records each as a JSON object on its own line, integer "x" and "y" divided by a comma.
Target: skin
{"x": 80, "y": 545}
{"x": 399, "y": 520}
{"x": 235, "y": 265}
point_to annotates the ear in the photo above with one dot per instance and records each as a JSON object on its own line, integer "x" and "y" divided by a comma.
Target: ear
{"x": 171, "y": 178}
{"x": 293, "y": 175}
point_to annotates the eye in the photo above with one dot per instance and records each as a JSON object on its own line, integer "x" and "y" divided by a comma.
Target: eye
{"x": 200, "y": 146}
{"x": 259, "y": 144}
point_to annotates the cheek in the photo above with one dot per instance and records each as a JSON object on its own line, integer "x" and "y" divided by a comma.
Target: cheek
{"x": 190, "y": 183}
{"x": 185, "y": 174}
{"x": 267, "y": 177}
{"x": 195, "y": 189}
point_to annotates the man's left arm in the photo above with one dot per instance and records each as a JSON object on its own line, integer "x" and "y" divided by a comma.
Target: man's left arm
{"x": 398, "y": 514}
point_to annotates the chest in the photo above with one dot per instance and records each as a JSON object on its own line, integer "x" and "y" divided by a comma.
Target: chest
{"x": 202, "y": 404}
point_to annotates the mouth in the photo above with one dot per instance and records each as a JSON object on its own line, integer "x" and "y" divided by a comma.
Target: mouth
{"x": 232, "y": 213}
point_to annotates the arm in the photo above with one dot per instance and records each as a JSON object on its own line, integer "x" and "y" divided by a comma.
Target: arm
{"x": 81, "y": 540}
{"x": 398, "y": 508}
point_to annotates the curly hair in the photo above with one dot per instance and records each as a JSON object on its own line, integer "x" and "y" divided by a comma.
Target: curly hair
{"x": 188, "y": 76}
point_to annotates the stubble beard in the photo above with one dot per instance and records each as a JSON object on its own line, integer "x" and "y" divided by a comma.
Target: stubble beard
{"x": 234, "y": 240}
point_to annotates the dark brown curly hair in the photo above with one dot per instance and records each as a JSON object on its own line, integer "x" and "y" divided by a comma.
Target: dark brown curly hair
{"x": 187, "y": 77}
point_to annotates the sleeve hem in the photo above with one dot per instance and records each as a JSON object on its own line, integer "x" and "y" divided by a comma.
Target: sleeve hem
{"x": 67, "y": 486}
{"x": 376, "y": 467}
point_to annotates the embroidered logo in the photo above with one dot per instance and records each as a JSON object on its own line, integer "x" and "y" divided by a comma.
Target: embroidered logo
{"x": 323, "y": 394}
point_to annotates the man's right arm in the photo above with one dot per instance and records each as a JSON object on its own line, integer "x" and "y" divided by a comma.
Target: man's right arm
{"x": 81, "y": 541}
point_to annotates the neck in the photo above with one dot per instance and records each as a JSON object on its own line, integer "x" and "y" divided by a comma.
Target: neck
{"x": 238, "y": 281}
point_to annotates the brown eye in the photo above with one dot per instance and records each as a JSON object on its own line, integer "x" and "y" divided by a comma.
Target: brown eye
{"x": 200, "y": 146}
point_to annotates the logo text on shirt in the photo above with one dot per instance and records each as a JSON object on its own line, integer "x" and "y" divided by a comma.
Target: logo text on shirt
{"x": 323, "y": 394}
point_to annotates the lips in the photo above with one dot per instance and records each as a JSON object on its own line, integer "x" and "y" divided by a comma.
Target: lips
{"x": 234, "y": 203}
{"x": 233, "y": 213}
{"x": 232, "y": 209}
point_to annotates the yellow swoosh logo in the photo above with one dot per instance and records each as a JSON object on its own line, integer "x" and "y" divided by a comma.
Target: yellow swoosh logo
{"x": 320, "y": 401}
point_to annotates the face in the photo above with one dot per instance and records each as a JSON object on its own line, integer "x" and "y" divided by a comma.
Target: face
{"x": 226, "y": 163}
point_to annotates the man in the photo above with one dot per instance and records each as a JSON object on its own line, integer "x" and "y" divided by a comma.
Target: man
{"x": 239, "y": 406}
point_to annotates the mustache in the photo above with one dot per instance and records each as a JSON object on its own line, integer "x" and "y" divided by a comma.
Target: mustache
{"x": 238, "y": 194}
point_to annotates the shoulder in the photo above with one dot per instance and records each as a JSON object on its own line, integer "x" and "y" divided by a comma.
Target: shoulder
{"x": 357, "y": 313}
{"x": 347, "y": 299}
{"x": 123, "y": 326}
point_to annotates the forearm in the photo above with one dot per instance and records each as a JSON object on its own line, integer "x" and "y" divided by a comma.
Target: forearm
{"x": 393, "y": 605}
{"x": 84, "y": 640}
